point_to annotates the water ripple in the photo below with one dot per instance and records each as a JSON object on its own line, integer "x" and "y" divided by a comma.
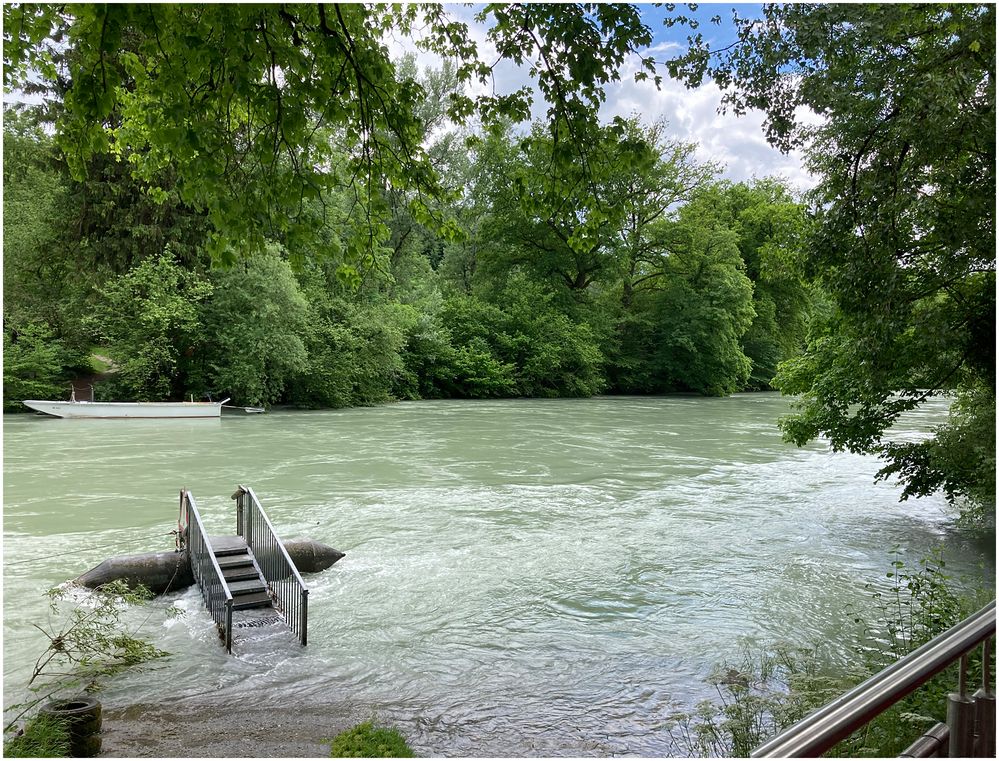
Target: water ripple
{"x": 523, "y": 577}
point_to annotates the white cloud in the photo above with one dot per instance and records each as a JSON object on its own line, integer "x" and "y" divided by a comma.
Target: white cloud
{"x": 737, "y": 143}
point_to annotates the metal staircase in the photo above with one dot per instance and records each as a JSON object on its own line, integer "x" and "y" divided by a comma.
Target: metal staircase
{"x": 244, "y": 579}
{"x": 246, "y": 571}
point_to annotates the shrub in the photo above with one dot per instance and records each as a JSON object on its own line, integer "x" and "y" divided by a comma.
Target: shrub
{"x": 368, "y": 741}
{"x": 769, "y": 692}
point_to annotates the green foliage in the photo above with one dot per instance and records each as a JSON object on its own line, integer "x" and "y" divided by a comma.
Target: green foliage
{"x": 149, "y": 319}
{"x": 771, "y": 228}
{"x": 251, "y": 105}
{"x": 34, "y": 196}
{"x": 904, "y": 234}
{"x": 92, "y": 640}
{"x": 685, "y": 333}
{"x": 33, "y": 362}
{"x": 572, "y": 258}
{"x": 960, "y": 459}
{"x": 250, "y": 342}
{"x": 766, "y": 692}
{"x": 776, "y": 687}
{"x": 917, "y": 605}
{"x": 429, "y": 360}
{"x": 43, "y": 737}
{"x": 88, "y": 644}
{"x": 115, "y": 221}
{"x": 521, "y": 345}
{"x": 368, "y": 741}
{"x": 353, "y": 354}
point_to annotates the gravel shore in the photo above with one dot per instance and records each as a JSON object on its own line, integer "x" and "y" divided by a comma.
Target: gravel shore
{"x": 197, "y": 729}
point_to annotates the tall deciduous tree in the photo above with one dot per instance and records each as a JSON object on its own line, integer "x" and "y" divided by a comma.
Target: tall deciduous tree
{"x": 238, "y": 98}
{"x": 905, "y": 212}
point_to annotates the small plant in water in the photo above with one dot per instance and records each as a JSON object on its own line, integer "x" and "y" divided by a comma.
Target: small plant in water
{"x": 766, "y": 692}
{"x": 368, "y": 741}
{"x": 85, "y": 646}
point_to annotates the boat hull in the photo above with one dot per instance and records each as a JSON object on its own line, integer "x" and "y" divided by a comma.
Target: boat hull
{"x": 173, "y": 410}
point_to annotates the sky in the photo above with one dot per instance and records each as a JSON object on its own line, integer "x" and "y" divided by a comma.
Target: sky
{"x": 737, "y": 143}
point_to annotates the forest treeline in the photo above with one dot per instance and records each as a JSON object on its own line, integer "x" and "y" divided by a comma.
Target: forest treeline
{"x": 649, "y": 275}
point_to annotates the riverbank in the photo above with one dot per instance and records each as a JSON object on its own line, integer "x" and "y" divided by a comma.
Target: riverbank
{"x": 199, "y": 729}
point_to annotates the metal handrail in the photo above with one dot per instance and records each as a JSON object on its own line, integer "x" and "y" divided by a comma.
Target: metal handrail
{"x": 825, "y": 727}
{"x": 283, "y": 579}
{"x": 207, "y": 572}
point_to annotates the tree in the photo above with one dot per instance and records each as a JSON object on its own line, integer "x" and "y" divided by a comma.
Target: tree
{"x": 558, "y": 222}
{"x": 251, "y": 338}
{"x": 904, "y": 239}
{"x": 37, "y": 281}
{"x": 651, "y": 194}
{"x": 150, "y": 319}
{"x": 33, "y": 362}
{"x": 239, "y": 99}
{"x": 771, "y": 227}
{"x": 683, "y": 330}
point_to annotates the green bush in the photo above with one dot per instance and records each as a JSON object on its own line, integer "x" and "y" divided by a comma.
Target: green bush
{"x": 368, "y": 741}
{"x": 33, "y": 362}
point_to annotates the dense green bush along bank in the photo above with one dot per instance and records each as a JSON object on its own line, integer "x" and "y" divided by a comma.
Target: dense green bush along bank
{"x": 689, "y": 284}
{"x": 773, "y": 688}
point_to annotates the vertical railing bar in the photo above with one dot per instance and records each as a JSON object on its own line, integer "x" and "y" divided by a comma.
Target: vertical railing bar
{"x": 277, "y": 567}
{"x": 214, "y": 590}
{"x": 305, "y": 617}
{"x": 985, "y": 708}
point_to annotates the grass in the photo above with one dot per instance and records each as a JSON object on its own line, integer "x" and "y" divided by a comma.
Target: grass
{"x": 368, "y": 741}
{"x": 43, "y": 737}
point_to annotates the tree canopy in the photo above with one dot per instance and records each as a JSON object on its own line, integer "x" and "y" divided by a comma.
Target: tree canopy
{"x": 263, "y": 113}
{"x": 904, "y": 234}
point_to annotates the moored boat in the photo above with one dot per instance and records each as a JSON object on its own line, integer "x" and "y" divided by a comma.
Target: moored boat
{"x": 74, "y": 409}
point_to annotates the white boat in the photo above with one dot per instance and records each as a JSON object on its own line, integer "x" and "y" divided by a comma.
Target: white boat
{"x": 74, "y": 409}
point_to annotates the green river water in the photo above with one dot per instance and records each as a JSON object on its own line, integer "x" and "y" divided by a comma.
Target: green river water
{"x": 522, "y": 577}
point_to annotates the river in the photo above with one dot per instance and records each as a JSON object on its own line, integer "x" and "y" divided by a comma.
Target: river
{"x": 522, "y": 577}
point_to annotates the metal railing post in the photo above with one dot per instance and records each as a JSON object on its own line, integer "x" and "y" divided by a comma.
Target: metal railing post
{"x": 228, "y": 625}
{"x": 985, "y": 708}
{"x": 305, "y": 618}
{"x": 932, "y": 744}
{"x": 961, "y": 716}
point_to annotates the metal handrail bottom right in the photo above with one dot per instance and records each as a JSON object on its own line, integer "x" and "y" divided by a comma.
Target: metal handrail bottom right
{"x": 825, "y": 727}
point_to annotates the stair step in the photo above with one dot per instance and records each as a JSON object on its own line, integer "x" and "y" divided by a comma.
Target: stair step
{"x": 255, "y": 600}
{"x": 239, "y": 573}
{"x": 228, "y": 545}
{"x": 234, "y": 561}
{"x": 247, "y": 587}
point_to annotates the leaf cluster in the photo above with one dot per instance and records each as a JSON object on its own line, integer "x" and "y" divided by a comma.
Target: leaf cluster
{"x": 88, "y": 644}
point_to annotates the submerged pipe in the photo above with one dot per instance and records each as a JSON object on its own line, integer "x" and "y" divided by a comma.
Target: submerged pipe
{"x": 164, "y": 572}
